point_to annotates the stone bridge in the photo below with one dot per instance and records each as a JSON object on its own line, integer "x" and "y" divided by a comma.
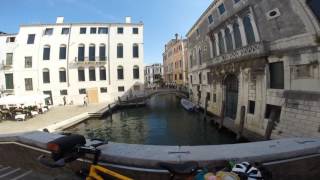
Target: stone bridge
{"x": 180, "y": 93}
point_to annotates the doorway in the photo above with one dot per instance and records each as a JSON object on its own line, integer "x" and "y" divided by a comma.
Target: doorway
{"x": 232, "y": 88}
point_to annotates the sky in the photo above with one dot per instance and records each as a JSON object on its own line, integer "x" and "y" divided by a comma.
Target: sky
{"x": 161, "y": 18}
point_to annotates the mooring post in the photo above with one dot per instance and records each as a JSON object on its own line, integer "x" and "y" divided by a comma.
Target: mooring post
{"x": 242, "y": 118}
{"x": 110, "y": 110}
{"x": 205, "y": 108}
{"x": 119, "y": 99}
{"x": 222, "y": 115}
{"x": 270, "y": 125}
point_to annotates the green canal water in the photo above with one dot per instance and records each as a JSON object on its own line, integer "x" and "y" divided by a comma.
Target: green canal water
{"x": 162, "y": 122}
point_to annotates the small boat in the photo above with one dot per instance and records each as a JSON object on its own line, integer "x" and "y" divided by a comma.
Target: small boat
{"x": 188, "y": 105}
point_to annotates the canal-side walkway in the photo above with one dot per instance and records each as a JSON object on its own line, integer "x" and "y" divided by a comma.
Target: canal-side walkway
{"x": 55, "y": 115}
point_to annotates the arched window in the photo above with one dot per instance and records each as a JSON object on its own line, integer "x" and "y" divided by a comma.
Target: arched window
{"x": 221, "y": 43}
{"x": 102, "y": 72}
{"x": 213, "y": 46}
{"x": 191, "y": 60}
{"x": 92, "y": 52}
{"x": 81, "y": 52}
{"x": 62, "y": 75}
{"x": 102, "y": 52}
{"x": 135, "y": 72}
{"x": 46, "y": 75}
{"x": 248, "y": 30}
{"x": 92, "y": 74}
{"x": 81, "y": 74}
{"x": 237, "y": 35}
{"x": 135, "y": 51}
{"x": 228, "y": 40}
{"x": 119, "y": 50}
{"x": 120, "y": 72}
{"x": 200, "y": 56}
{"x": 46, "y": 52}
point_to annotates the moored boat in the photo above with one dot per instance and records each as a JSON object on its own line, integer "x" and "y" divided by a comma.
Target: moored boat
{"x": 188, "y": 105}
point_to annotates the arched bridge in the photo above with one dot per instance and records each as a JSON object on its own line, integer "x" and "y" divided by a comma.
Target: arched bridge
{"x": 180, "y": 93}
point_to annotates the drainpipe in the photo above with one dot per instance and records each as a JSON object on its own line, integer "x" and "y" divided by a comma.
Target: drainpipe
{"x": 108, "y": 58}
{"x": 68, "y": 55}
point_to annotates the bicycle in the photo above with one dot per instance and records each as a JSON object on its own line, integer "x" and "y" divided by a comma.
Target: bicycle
{"x": 69, "y": 148}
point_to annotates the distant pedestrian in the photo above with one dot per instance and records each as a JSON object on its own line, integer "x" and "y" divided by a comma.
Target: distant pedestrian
{"x": 85, "y": 101}
{"x": 64, "y": 100}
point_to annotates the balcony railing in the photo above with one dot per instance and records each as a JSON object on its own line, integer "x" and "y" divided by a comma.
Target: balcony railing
{"x": 4, "y": 66}
{"x": 90, "y": 61}
{"x": 252, "y": 51}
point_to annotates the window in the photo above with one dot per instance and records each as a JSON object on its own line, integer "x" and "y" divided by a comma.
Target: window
{"x": 83, "y": 30}
{"x": 236, "y": 1}
{"x": 81, "y": 52}
{"x": 63, "y": 92}
{"x": 135, "y": 50}
{"x": 120, "y": 30}
{"x": 180, "y": 76}
{"x": 302, "y": 71}
{"x": 31, "y": 38}
{"x": 102, "y": 73}
{"x": 200, "y": 78}
{"x": 92, "y": 74}
{"x": 252, "y": 106}
{"x": 315, "y": 7}
{"x": 103, "y": 90}
{"x": 9, "y": 58}
{"x": 228, "y": 40}
{"x": 92, "y": 52}
{"x": 136, "y": 88}
{"x": 82, "y": 91}
{"x": 190, "y": 79}
{"x": 275, "y": 109}
{"x": 48, "y": 31}
{"x": 63, "y": 52}
{"x": 198, "y": 32}
{"x": 213, "y": 46}
{"x": 103, "y": 30}
{"x": 9, "y": 81}
{"x": 120, "y": 72}
{"x": 210, "y": 19}
{"x": 135, "y": 30}
{"x": 93, "y": 30}
{"x": 46, "y": 52}
{"x": 102, "y": 52}
{"x": 208, "y": 97}
{"x": 46, "y": 75}
{"x": 119, "y": 50}
{"x": 62, "y": 75}
{"x": 65, "y": 30}
{"x": 248, "y": 30}
{"x": 221, "y": 9}
{"x": 237, "y": 35}
{"x": 221, "y": 43}
{"x": 28, "y": 84}
{"x": 276, "y": 75}
{"x": 214, "y": 98}
{"x": 136, "y": 72}
{"x": 81, "y": 75}
{"x": 28, "y": 62}
{"x": 11, "y": 39}
{"x": 120, "y": 88}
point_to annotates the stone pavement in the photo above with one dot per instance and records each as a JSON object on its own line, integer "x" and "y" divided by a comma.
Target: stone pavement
{"x": 53, "y": 116}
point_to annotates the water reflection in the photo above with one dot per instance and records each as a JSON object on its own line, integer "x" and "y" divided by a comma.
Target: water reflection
{"x": 162, "y": 122}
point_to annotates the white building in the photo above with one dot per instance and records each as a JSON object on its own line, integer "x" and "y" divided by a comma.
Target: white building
{"x": 153, "y": 73}
{"x": 102, "y": 60}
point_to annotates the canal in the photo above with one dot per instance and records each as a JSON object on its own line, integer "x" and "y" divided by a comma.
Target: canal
{"x": 162, "y": 122}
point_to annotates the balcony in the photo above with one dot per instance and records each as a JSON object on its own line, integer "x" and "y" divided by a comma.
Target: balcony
{"x": 252, "y": 51}
{"x": 86, "y": 61}
{"x": 4, "y": 66}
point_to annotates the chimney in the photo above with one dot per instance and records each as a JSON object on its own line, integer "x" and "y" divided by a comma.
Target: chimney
{"x": 128, "y": 19}
{"x": 60, "y": 20}
{"x": 176, "y": 35}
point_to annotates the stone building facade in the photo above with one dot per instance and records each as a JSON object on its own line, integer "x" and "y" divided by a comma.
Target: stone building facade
{"x": 153, "y": 75}
{"x": 175, "y": 63}
{"x": 261, "y": 55}
{"x": 101, "y": 60}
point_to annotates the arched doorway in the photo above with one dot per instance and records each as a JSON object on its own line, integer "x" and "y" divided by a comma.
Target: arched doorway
{"x": 232, "y": 88}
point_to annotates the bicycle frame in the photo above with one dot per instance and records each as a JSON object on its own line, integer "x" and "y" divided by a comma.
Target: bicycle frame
{"x": 94, "y": 169}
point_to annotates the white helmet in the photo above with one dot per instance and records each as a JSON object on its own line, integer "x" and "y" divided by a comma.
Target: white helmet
{"x": 246, "y": 171}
